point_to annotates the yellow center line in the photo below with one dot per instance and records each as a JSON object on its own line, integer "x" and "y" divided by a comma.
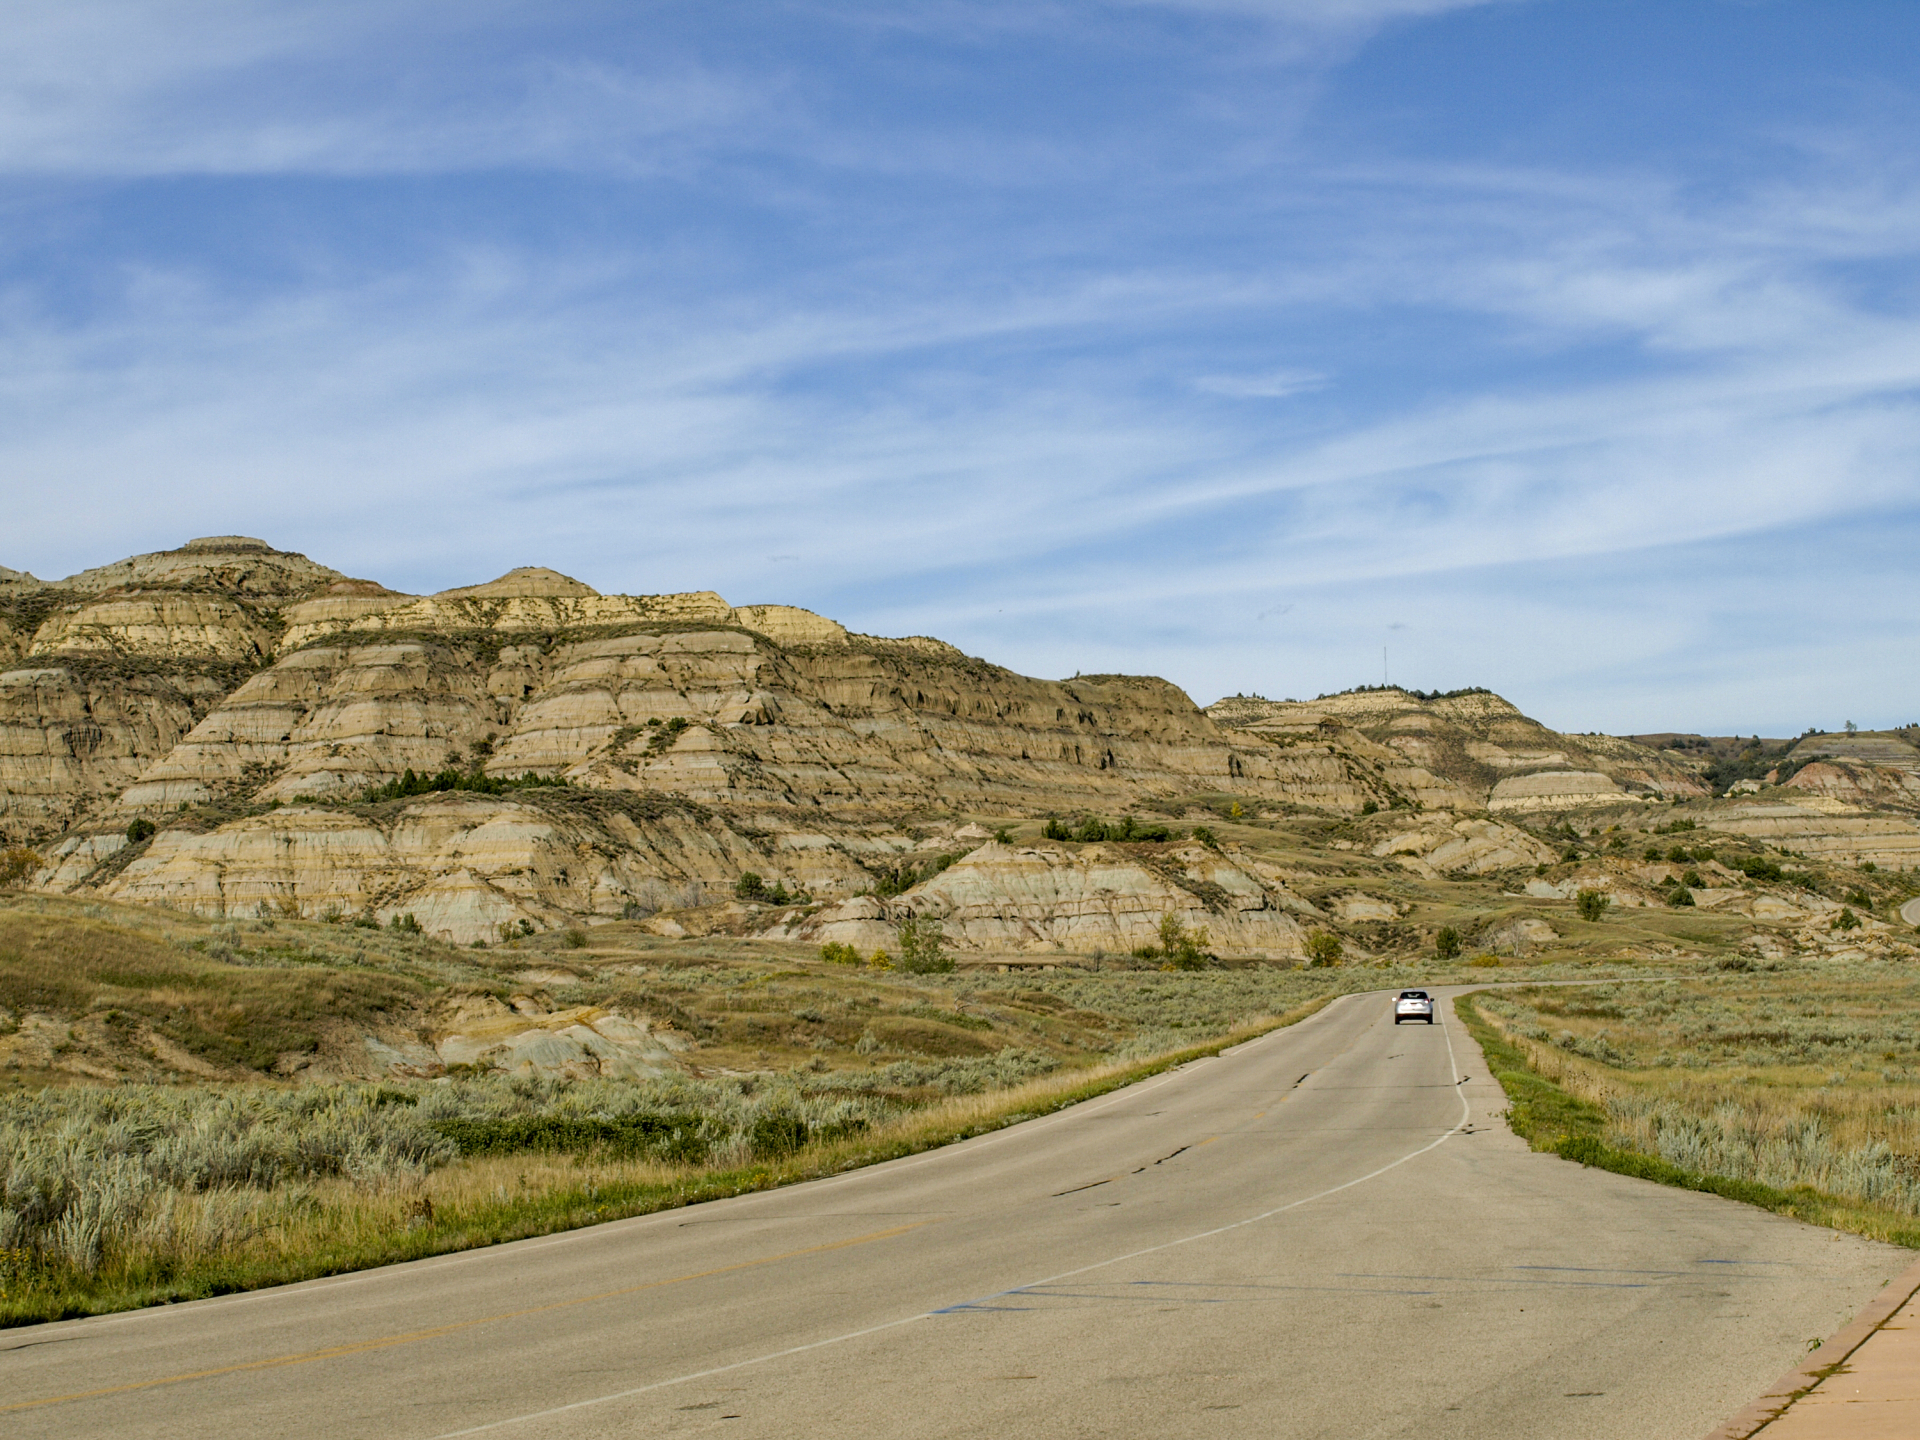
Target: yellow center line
{"x": 1208, "y": 1141}
{"x": 384, "y": 1342}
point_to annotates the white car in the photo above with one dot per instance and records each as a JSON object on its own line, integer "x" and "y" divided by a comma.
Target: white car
{"x": 1413, "y": 1005}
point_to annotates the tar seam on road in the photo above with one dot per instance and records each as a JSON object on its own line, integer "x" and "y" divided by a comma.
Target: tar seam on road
{"x": 387, "y": 1342}
{"x": 885, "y": 1325}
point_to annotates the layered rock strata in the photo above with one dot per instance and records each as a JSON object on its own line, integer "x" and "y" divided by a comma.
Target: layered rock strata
{"x": 1468, "y": 750}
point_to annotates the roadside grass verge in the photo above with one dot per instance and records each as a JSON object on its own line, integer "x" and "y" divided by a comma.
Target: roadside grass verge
{"x": 228, "y": 1239}
{"x": 1549, "y": 1117}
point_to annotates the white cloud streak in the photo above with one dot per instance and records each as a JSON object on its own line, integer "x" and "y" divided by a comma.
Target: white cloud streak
{"x": 1068, "y": 455}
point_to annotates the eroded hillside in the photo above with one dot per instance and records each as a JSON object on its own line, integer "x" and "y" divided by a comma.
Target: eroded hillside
{"x": 236, "y": 731}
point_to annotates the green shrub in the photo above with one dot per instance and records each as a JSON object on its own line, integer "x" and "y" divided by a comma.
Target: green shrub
{"x": 750, "y": 886}
{"x": 1092, "y": 830}
{"x": 1757, "y": 867}
{"x": 921, "y": 943}
{"x": 1206, "y": 837}
{"x": 1692, "y": 880}
{"x": 1846, "y": 920}
{"x": 659, "y": 1137}
{"x": 1323, "y": 948}
{"x": 1859, "y": 897}
{"x": 406, "y": 924}
{"x": 1592, "y": 904}
{"x": 891, "y": 880}
{"x": 834, "y": 953}
{"x": 1446, "y": 943}
{"x": 17, "y": 864}
{"x": 664, "y": 735}
{"x": 141, "y": 829}
{"x": 476, "y": 781}
{"x": 1184, "y": 949}
{"x": 777, "y": 1131}
{"x": 1679, "y": 896}
{"x": 575, "y": 939}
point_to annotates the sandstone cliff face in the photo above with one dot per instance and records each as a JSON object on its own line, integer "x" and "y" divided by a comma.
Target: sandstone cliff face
{"x": 247, "y": 701}
{"x": 462, "y": 865}
{"x": 108, "y": 669}
{"x": 1440, "y": 845}
{"x": 326, "y": 721}
{"x": 1100, "y": 897}
{"x": 74, "y": 735}
{"x": 1856, "y": 783}
{"x": 1826, "y": 829}
{"x": 167, "y": 625}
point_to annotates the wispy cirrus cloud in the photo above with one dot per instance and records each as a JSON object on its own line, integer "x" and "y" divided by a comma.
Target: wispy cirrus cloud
{"x": 1079, "y": 346}
{"x": 172, "y": 87}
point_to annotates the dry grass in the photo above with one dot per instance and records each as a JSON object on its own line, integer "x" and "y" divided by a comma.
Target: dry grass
{"x": 128, "y": 1242}
{"x": 1804, "y": 1078}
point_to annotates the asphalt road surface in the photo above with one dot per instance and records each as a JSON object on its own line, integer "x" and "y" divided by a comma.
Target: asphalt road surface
{"x": 1327, "y": 1232}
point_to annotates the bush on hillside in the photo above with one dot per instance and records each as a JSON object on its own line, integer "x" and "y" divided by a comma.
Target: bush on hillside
{"x": 922, "y": 945}
{"x": 1323, "y": 948}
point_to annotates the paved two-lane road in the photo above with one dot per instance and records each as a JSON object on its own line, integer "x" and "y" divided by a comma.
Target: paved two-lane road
{"x": 1324, "y": 1233}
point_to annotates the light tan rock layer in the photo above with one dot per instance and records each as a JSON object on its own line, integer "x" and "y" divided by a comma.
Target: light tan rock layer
{"x": 1836, "y": 833}
{"x": 69, "y": 737}
{"x": 1037, "y": 899}
{"x": 164, "y": 624}
{"x": 1463, "y": 847}
{"x": 1471, "y": 750}
{"x": 463, "y": 865}
{"x": 231, "y": 564}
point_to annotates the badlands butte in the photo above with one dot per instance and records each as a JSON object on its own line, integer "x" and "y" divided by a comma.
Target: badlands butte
{"x": 233, "y": 731}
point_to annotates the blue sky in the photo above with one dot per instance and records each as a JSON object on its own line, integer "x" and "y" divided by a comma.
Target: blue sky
{"x": 1565, "y": 348}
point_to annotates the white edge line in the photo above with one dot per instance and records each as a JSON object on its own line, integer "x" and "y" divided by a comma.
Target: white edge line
{"x": 1466, "y": 1112}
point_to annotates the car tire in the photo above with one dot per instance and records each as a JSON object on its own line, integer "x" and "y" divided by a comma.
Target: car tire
{"x": 1429, "y": 1019}
{"x": 1396, "y": 1019}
